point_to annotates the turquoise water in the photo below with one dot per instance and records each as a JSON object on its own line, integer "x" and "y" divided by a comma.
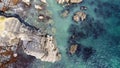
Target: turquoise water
{"x": 98, "y": 37}
{"x": 101, "y": 35}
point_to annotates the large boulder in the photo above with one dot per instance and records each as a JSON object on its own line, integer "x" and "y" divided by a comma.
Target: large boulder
{"x": 33, "y": 42}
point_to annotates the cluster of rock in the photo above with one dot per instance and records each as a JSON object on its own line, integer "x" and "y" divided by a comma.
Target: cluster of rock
{"x": 69, "y": 1}
{"x": 79, "y": 16}
{"x": 33, "y": 42}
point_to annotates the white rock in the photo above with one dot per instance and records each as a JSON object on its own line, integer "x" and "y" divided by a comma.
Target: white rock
{"x": 15, "y": 54}
{"x": 26, "y": 1}
{"x": 69, "y": 1}
{"x": 75, "y": 1}
{"x": 38, "y": 7}
{"x": 41, "y": 17}
{"x": 44, "y": 1}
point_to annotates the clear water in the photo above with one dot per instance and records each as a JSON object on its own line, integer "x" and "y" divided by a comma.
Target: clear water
{"x": 103, "y": 37}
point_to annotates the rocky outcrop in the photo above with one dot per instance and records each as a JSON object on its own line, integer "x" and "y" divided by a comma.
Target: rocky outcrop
{"x": 33, "y": 42}
{"x": 79, "y": 16}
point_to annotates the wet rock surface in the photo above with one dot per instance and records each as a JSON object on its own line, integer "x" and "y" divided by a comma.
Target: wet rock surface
{"x": 35, "y": 43}
{"x": 65, "y": 13}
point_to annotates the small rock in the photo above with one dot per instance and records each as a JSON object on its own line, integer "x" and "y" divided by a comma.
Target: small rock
{"x": 4, "y": 8}
{"x": 38, "y": 7}
{"x": 73, "y": 49}
{"x": 65, "y": 13}
{"x": 60, "y": 1}
{"x": 83, "y": 8}
{"x": 69, "y": 1}
{"x": 41, "y": 17}
{"x": 15, "y": 54}
{"x": 79, "y": 16}
{"x": 15, "y": 2}
{"x": 44, "y": 1}
{"x": 26, "y": 2}
{"x": 76, "y": 18}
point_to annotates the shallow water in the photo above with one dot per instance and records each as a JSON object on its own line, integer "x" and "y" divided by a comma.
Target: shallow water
{"x": 100, "y": 43}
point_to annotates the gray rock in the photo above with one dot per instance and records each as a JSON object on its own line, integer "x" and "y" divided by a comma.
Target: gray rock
{"x": 35, "y": 43}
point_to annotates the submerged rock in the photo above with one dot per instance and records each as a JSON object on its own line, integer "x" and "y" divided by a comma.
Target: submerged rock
{"x": 65, "y": 13}
{"x": 34, "y": 43}
{"x": 83, "y": 8}
{"x": 38, "y": 7}
{"x": 73, "y": 49}
{"x": 79, "y": 16}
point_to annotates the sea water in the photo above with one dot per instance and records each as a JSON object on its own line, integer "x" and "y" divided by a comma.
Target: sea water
{"x": 102, "y": 34}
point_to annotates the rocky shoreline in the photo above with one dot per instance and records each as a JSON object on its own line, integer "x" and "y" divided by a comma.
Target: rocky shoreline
{"x": 33, "y": 42}
{"x": 30, "y": 35}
